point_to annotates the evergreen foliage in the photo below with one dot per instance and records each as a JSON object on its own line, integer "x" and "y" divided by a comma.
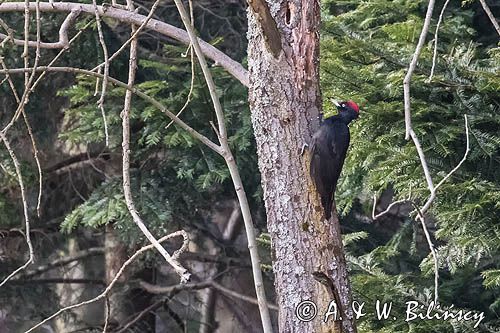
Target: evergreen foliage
{"x": 366, "y": 48}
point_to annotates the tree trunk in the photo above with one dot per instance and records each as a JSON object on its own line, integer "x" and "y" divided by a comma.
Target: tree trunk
{"x": 284, "y": 94}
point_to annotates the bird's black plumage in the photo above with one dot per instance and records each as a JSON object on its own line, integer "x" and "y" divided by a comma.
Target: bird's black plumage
{"x": 328, "y": 152}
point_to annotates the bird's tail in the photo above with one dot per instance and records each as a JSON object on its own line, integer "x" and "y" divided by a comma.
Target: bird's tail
{"x": 327, "y": 203}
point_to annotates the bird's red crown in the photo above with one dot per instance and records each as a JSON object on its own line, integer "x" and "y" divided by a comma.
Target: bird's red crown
{"x": 353, "y": 105}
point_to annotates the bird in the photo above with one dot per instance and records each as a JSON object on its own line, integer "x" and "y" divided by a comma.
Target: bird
{"x": 328, "y": 151}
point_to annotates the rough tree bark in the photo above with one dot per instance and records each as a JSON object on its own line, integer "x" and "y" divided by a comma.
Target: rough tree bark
{"x": 285, "y": 100}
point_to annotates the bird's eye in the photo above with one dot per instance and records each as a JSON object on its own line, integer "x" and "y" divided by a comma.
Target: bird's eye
{"x": 343, "y": 105}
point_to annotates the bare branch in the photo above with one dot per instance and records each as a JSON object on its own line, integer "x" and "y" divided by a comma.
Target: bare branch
{"x": 141, "y": 315}
{"x": 467, "y": 150}
{"x": 432, "y": 196}
{"x": 204, "y": 67}
{"x": 155, "y": 289}
{"x": 100, "y": 102}
{"x": 234, "y": 294}
{"x": 63, "y": 261}
{"x": 490, "y": 16}
{"x": 233, "y": 67}
{"x": 28, "y": 80}
{"x": 421, "y": 218}
{"x": 21, "y": 101}
{"x": 37, "y": 161}
{"x": 107, "y": 311}
{"x": 413, "y": 65}
{"x": 172, "y": 260}
{"x": 25, "y": 54}
{"x": 110, "y": 286}
{"x": 379, "y": 215}
{"x": 56, "y": 281}
{"x": 63, "y": 35}
{"x": 9, "y": 36}
{"x": 423, "y": 161}
{"x": 17, "y": 167}
{"x": 434, "y": 56}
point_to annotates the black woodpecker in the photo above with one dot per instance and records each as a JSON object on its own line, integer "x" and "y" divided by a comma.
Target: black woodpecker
{"x": 328, "y": 151}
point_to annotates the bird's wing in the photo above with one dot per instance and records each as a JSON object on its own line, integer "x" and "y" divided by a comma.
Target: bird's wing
{"x": 322, "y": 159}
{"x": 338, "y": 144}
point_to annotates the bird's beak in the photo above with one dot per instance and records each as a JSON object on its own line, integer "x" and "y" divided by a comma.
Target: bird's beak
{"x": 334, "y": 101}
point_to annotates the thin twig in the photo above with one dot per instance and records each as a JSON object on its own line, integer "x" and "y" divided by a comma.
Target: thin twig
{"x": 434, "y": 56}
{"x": 21, "y": 106}
{"x": 490, "y": 16}
{"x": 97, "y": 82}
{"x": 413, "y": 65}
{"x": 410, "y": 133}
{"x": 423, "y": 161}
{"x": 25, "y": 54}
{"x": 17, "y": 167}
{"x": 204, "y": 67}
{"x": 433, "y": 252}
{"x": 9, "y": 36}
{"x": 467, "y": 150}
{"x": 191, "y": 88}
{"x": 37, "y": 161}
{"x": 191, "y": 54}
{"x": 379, "y": 215}
{"x": 107, "y": 311}
{"x": 139, "y": 316}
{"x": 134, "y": 35}
{"x": 433, "y": 193}
{"x": 234, "y": 294}
{"x": 156, "y": 289}
{"x": 63, "y": 261}
{"x": 111, "y": 284}
{"x": 100, "y": 102}
{"x": 25, "y": 116}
